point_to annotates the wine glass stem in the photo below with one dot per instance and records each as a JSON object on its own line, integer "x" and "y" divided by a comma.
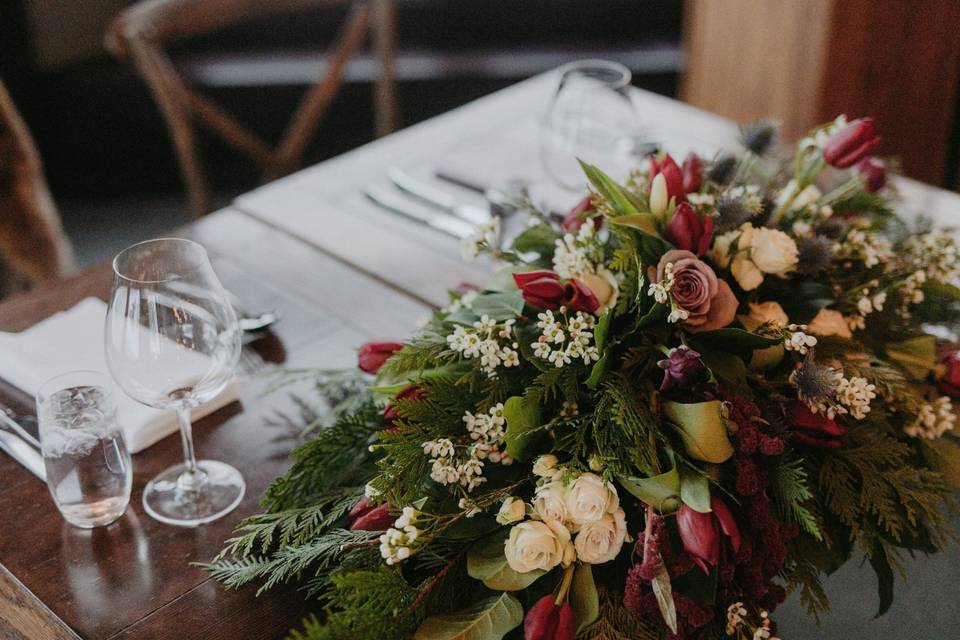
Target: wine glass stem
{"x": 192, "y": 477}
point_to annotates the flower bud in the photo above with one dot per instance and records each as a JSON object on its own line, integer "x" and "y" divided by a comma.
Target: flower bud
{"x": 687, "y": 231}
{"x": 541, "y": 288}
{"x": 546, "y": 621}
{"x": 658, "y": 195}
{"x": 948, "y": 374}
{"x": 698, "y": 532}
{"x": 692, "y": 171}
{"x": 377, "y": 519}
{"x": 851, "y": 144}
{"x": 672, "y": 175}
{"x": 372, "y": 355}
{"x": 575, "y": 217}
{"x": 578, "y": 297}
{"x": 874, "y": 173}
{"x": 512, "y": 510}
{"x": 544, "y": 465}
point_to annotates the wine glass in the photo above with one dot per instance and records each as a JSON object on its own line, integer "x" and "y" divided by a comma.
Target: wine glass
{"x": 591, "y": 117}
{"x": 172, "y": 342}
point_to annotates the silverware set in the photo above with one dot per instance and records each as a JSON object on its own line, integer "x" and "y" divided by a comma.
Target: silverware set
{"x": 19, "y": 443}
{"x": 424, "y": 203}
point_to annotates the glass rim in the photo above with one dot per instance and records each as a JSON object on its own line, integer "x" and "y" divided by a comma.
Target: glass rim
{"x": 624, "y": 74}
{"x": 139, "y": 245}
{"x": 44, "y": 392}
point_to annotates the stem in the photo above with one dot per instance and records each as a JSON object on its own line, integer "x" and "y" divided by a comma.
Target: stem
{"x": 565, "y": 585}
{"x": 190, "y": 479}
{"x": 433, "y": 583}
{"x": 782, "y": 209}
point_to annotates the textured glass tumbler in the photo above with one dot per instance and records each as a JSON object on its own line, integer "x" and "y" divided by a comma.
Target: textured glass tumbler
{"x": 86, "y": 458}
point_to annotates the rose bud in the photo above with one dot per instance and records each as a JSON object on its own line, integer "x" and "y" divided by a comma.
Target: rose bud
{"x": 948, "y": 374}
{"x": 377, "y": 519}
{"x": 372, "y": 355}
{"x": 546, "y": 621}
{"x": 874, "y": 173}
{"x": 672, "y": 175}
{"x": 851, "y": 144}
{"x": 540, "y": 288}
{"x": 682, "y": 367}
{"x": 687, "y": 231}
{"x": 412, "y": 392}
{"x": 692, "y": 171}
{"x": 578, "y": 297}
{"x": 575, "y": 218}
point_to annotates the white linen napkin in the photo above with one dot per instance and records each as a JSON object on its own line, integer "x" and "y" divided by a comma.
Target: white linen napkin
{"x": 72, "y": 340}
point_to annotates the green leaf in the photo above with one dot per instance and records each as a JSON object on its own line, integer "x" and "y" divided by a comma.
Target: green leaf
{"x": 735, "y": 340}
{"x": 657, "y": 313}
{"x": 917, "y": 356}
{"x": 612, "y": 192}
{"x": 660, "y": 491}
{"x": 942, "y": 289}
{"x": 523, "y": 423}
{"x": 490, "y": 619}
{"x": 694, "y": 489}
{"x": 499, "y": 306}
{"x": 943, "y": 454}
{"x": 702, "y": 428}
{"x": 502, "y": 280}
{"x": 487, "y": 563}
{"x": 602, "y": 329}
{"x": 584, "y": 599}
{"x": 645, "y": 222}
{"x": 539, "y": 239}
{"x": 881, "y": 566}
{"x": 664, "y": 594}
{"x": 596, "y": 374}
{"x": 727, "y": 367}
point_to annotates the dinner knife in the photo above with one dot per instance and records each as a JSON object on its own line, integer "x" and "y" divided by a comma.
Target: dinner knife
{"x": 19, "y": 450}
{"x": 437, "y": 198}
{"x": 393, "y": 202}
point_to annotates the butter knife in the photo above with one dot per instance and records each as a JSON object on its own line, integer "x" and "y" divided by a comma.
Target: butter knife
{"x": 23, "y": 453}
{"x": 391, "y": 201}
{"x": 437, "y": 198}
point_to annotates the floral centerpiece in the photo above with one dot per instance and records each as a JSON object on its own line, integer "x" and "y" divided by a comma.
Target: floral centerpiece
{"x": 698, "y": 393}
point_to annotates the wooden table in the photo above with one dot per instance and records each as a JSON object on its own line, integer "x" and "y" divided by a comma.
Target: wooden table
{"x": 342, "y": 272}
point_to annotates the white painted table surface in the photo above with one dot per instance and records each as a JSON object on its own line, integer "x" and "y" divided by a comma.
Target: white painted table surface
{"x": 495, "y": 138}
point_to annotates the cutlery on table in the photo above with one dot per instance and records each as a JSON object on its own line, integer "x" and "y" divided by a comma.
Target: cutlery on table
{"x": 437, "y": 198}
{"x": 395, "y": 203}
{"x": 20, "y": 445}
{"x": 252, "y": 322}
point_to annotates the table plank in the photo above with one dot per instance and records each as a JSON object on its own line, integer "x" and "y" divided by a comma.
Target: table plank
{"x": 134, "y": 579}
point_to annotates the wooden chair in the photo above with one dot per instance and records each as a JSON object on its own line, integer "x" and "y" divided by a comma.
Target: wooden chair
{"x": 33, "y": 245}
{"x": 140, "y": 33}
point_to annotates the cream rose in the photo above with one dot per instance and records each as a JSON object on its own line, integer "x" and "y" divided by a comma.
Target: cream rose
{"x": 828, "y": 322}
{"x": 549, "y": 503}
{"x": 764, "y": 312}
{"x": 545, "y": 466}
{"x": 533, "y": 545}
{"x": 512, "y": 510}
{"x": 589, "y": 498}
{"x": 604, "y": 286}
{"x": 771, "y": 250}
{"x": 601, "y": 541}
{"x": 720, "y": 253}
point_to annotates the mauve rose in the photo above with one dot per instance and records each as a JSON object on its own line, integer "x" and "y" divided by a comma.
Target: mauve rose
{"x": 949, "y": 381}
{"x": 708, "y": 300}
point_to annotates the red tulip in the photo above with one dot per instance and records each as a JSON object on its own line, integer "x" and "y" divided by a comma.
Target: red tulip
{"x": 372, "y": 355}
{"x": 692, "y": 170}
{"x": 377, "y": 519}
{"x": 687, "y": 231}
{"x": 578, "y": 297}
{"x": 814, "y": 429}
{"x": 814, "y": 441}
{"x": 700, "y": 532}
{"x": 363, "y": 506}
{"x": 575, "y": 218}
{"x": 672, "y": 175}
{"x": 851, "y": 144}
{"x": 540, "y": 288}
{"x": 546, "y": 621}
{"x": 949, "y": 380}
{"x": 874, "y": 173}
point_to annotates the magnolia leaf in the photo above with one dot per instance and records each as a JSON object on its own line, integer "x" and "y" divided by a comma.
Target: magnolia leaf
{"x": 702, "y": 428}
{"x": 727, "y": 367}
{"x": 735, "y": 340}
{"x": 498, "y": 306}
{"x": 943, "y": 454}
{"x": 539, "y": 238}
{"x": 596, "y": 374}
{"x": 694, "y": 489}
{"x": 523, "y": 422}
{"x": 602, "y": 329}
{"x": 490, "y": 619}
{"x": 584, "y": 599}
{"x": 660, "y": 491}
{"x": 487, "y": 563}
{"x": 664, "y": 594}
{"x": 917, "y": 356}
{"x": 645, "y": 222}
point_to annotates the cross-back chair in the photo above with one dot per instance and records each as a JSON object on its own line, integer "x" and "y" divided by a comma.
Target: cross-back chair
{"x": 140, "y": 34}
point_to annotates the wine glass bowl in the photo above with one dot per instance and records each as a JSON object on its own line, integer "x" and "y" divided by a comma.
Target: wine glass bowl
{"x": 173, "y": 342}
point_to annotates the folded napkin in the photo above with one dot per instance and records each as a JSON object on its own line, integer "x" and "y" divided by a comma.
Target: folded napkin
{"x": 72, "y": 340}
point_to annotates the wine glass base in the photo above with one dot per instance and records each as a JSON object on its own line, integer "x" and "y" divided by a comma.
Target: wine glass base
{"x": 218, "y": 494}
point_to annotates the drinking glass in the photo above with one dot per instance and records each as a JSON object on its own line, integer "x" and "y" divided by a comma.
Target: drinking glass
{"x": 172, "y": 342}
{"x": 591, "y": 117}
{"x": 86, "y": 458}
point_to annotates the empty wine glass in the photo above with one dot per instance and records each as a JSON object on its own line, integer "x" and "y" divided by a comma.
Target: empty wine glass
{"x": 172, "y": 342}
{"x": 591, "y": 117}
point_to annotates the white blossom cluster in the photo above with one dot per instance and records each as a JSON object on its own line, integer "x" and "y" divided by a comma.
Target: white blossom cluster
{"x": 867, "y": 303}
{"x": 565, "y": 339}
{"x": 736, "y": 612}
{"x": 797, "y": 340}
{"x": 464, "y": 301}
{"x": 936, "y": 254}
{"x": 486, "y": 236}
{"x": 871, "y": 248}
{"x": 489, "y": 341}
{"x": 571, "y": 259}
{"x": 487, "y": 432}
{"x": 846, "y": 396}
{"x": 661, "y": 293}
{"x": 395, "y": 543}
{"x": 933, "y": 421}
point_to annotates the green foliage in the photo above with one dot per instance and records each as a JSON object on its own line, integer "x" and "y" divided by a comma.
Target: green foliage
{"x": 788, "y": 483}
{"x": 623, "y": 428}
{"x": 614, "y": 622}
{"x": 490, "y": 619}
{"x": 426, "y": 352}
{"x": 805, "y": 576}
{"x": 553, "y": 384}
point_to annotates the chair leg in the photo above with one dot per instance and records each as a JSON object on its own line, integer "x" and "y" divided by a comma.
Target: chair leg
{"x": 384, "y": 44}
